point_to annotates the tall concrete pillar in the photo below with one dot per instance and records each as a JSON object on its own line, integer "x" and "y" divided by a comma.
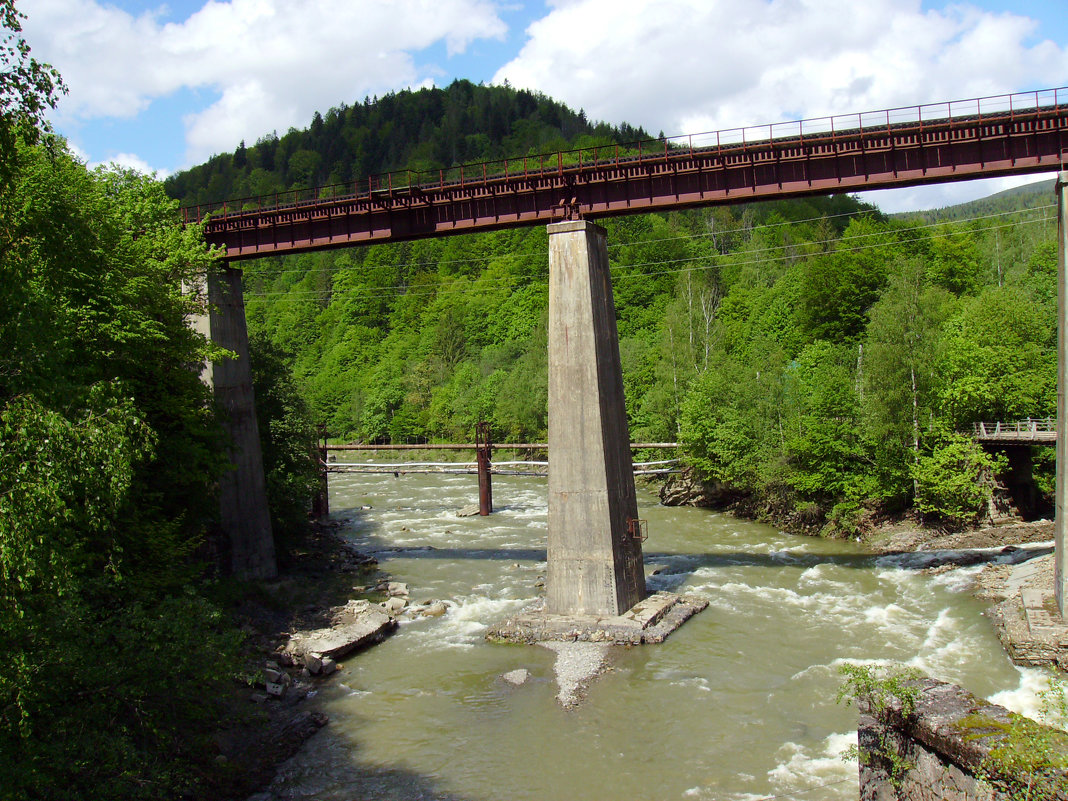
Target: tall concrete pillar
{"x": 594, "y": 559}
{"x": 1060, "y": 526}
{"x": 242, "y": 490}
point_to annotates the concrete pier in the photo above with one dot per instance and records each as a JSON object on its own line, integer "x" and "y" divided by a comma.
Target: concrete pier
{"x": 242, "y": 490}
{"x": 594, "y": 553}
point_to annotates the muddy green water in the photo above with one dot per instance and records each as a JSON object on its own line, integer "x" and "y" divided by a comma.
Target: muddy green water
{"x": 738, "y": 704}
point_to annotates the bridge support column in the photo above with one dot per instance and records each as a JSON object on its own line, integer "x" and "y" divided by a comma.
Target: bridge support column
{"x": 1060, "y": 526}
{"x": 594, "y": 554}
{"x": 242, "y": 490}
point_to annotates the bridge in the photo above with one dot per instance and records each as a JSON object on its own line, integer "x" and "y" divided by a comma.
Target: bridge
{"x": 1042, "y": 431}
{"x": 953, "y": 141}
{"x": 594, "y": 554}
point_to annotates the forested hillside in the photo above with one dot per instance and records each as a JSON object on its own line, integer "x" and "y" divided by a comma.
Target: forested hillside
{"x": 428, "y": 129}
{"x": 816, "y": 358}
{"x": 1036, "y": 195}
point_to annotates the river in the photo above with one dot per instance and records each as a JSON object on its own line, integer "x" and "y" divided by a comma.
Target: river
{"x": 739, "y": 704}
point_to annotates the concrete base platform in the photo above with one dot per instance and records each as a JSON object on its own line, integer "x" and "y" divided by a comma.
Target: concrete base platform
{"x": 1031, "y": 630}
{"x": 649, "y": 621}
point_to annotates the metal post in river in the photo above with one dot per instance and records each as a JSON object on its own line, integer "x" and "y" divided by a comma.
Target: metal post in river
{"x": 484, "y": 455}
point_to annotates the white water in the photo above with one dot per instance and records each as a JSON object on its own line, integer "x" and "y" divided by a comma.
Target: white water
{"x": 739, "y": 704}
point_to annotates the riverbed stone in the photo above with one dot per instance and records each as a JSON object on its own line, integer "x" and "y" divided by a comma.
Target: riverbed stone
{"x": 276, "y": 689}
{"x": 394, "y": 606}
{"x": 435, "y": 609}
{"x": 397, "y": 589}
{"x": 516, "y": 677}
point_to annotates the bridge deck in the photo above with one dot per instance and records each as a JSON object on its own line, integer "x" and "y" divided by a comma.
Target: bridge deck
{"x": 1023, "y": 432}
{"x": 1009, "y": 134}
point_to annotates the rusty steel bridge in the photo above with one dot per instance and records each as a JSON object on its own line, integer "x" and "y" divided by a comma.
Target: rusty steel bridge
{"x": 951, "y": 141}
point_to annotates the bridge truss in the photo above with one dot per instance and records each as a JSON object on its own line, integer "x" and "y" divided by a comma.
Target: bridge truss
{"x": 959, "y": 140}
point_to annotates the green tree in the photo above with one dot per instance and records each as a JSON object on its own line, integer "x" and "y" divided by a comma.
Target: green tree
{"x": 287, "y": 438}
{"x": 899, "y": 376}
{"x": 954, "y": 482}
{"x": 108, "y": 451}
{"x": 27, "y": 89}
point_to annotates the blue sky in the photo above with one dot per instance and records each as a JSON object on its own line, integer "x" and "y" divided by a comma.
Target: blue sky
{"x": 164, "y": 86}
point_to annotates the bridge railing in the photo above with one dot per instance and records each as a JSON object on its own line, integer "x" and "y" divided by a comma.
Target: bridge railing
{"x": 807, "y": 131}
{"x": 1033, "y": 428}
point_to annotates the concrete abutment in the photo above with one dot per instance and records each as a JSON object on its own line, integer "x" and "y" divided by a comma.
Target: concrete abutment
{"x": 243, "y": 510}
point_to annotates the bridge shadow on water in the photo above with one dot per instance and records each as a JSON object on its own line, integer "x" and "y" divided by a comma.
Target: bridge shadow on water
{"x": 672, "y": 568}
{"x": 331, "y": 766}
{"x": 668, "y": 564}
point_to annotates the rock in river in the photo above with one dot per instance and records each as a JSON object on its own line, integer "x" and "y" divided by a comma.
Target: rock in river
{"x": 360, "y": 624}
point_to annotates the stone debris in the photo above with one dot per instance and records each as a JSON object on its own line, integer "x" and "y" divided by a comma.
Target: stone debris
{"x": 577, "y": 663}
{"x": 394, "y": 606}
{"x": 434, "y": 609}
{"x": 357, "y": 624}
{"x": 276, "y": 689}
{"x": 649, "y": 621}
{"x": 397, "y": 589}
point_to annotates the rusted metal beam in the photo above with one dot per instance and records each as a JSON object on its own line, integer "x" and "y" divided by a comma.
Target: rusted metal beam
{"x": 671, "y": 174}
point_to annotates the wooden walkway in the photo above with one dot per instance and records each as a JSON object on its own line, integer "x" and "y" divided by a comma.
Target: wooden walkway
{"x": 1041, "y": 431}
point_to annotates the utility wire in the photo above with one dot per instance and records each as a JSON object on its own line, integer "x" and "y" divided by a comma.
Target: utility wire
{"x": 542, "y": 256}
{"x": 891, "y": 237}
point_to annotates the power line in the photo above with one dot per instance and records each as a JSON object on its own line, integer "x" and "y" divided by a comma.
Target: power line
{"x": 891, "y": 236}
{"x": 543, "y": 256}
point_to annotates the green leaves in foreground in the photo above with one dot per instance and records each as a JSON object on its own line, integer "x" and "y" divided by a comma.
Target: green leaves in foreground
{"x": 116, "y": 667}
{"x": 881, "y": 689}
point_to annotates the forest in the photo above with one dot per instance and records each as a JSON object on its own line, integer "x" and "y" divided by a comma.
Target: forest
{"x": 820, "y": 362}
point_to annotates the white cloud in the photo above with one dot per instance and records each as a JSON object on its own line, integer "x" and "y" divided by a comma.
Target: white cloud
{"x": 272, "y": 63}
{"x": 131, "y": 161}
{"x": 688, "y": 66}
{"x": 917, "y": 198}
{"x": 685, "y": 66}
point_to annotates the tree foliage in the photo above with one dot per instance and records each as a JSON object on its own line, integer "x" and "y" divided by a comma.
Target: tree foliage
{"x": 109, "y": 451}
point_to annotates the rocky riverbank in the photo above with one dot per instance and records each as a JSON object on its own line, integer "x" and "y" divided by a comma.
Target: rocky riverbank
{"x": 1016, "y": 580}
{"x": 324, "y": 606}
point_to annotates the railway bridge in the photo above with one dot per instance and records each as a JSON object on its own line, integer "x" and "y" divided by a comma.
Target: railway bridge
{"x": 594, "y": 552}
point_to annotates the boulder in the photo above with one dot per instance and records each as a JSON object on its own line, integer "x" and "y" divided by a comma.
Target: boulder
{"x": 357, "y": 624}
{"x": 394, "y": 606}
{"x": 435, "y": 609}
{"x": 517, "y": 677}
{"x": 275, "y": 676}
{"x": 276, "y": 689}
{"x": 685, "y": 489}
{"x": 397, "y": 589}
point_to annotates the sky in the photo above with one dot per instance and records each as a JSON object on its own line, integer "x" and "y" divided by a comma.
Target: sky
{"x": 163, "y": 86}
